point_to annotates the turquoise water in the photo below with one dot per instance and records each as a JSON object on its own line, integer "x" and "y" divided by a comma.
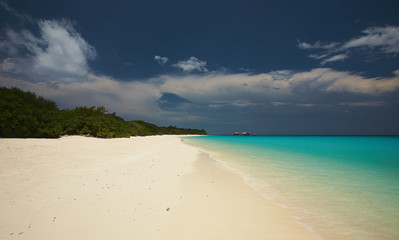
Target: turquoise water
{"x": 339, "y": 187}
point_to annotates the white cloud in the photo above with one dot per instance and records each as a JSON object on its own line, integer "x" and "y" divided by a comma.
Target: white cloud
{"x": 318, "y": 56}
{"x": 191, "y": 64}
{"x": 66, "y": 52}
{"x": 212, "y": 88}
{"x": 312, "y": 105}
{"x": 303, "y": 45}
{"x": 59, "y": 54}
{"x": 7, "y": 65}
{"x": 125, "y": 98}
{"x": 19, "y": 16}
{"x": 212, "y": 92}
{"x": 276, "y": 104}
{"x": 377, "y": 38}
{"x": 328, "y": 80}
{"x": 20, "y": 42}
{"x": 307, "y": 105}
{"x": 274, "y": 86}
{"x": 243, "y": 69}
{"x": 317, "y": 45}
{"x": 364, "y": 104}
{"x": 385, "y": 37}
{"x": 235, "y": 103}
{"x": 339, "y": 57}
{"x": 161, "y": 60}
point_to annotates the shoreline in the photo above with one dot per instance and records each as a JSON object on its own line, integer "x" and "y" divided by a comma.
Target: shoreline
{"x": 155, "y": 187}
{"x": 223, "y": 165}
{"x": 218, "y": 204}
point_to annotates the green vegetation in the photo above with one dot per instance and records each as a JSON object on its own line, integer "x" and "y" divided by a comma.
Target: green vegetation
{"x": 145, "y": 129}
{"x": 25, "y": 115}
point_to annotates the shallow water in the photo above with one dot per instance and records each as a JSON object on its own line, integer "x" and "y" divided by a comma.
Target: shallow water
{"x": 339, "y": 187}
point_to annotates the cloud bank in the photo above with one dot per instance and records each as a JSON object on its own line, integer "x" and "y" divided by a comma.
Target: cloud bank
{"x": 212, "y": 90}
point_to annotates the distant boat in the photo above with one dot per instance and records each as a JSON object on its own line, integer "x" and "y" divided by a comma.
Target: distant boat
{"x": 245, "y": 133}
{"x": 236, "y": 133}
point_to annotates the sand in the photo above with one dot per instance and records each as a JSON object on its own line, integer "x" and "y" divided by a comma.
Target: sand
{"x": 139, "y": 188}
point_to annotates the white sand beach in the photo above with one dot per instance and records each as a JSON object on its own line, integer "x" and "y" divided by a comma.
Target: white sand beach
{"x": 139, "y": 188}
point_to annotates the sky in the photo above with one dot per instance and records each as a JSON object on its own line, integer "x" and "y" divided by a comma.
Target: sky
{"x": 267, "y": 67}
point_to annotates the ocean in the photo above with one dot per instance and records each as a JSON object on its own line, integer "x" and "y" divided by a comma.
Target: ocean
{"x": 340, "y": 187}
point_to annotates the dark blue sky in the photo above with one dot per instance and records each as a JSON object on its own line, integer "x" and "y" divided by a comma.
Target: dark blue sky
{"x": 271, "y": 67}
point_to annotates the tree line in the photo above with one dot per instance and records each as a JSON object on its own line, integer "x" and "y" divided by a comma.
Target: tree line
{"x": 25, "y": 115}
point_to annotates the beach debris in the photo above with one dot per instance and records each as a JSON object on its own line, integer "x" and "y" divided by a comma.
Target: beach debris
{"x": 168, "y": 209}
{"x": 20, "y": 233}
